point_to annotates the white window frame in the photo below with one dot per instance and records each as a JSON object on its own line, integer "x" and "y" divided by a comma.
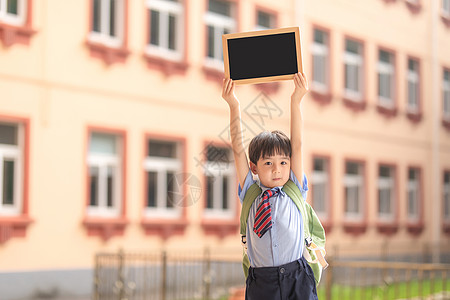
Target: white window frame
{"x": 386, "y": 184}
{"x": 387, "y": 71}
{"x": 12, "y": 19}
{"x": 218, "y": 170}
{"x": 103, "y": 161}
{"x": 161, "y": 166}
{"x": 413, "y": 81}
{"x": 321, "y": 178}
{"x": 322, "y": 52}
{"x": 14, "y": 153}
{"x": 352, "y": 181}
{"x": 446, "y": 95}
{"x": 413, "y": 196}
{"x": 104, "y": 37}
{"x": 355, "y": 61}
{"x": 165, "y": 9}
{"x": 220, "y": 23}
{"x": 446, "y": 8}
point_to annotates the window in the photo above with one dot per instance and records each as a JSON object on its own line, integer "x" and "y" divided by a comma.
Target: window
{"x": 11, "y": 168}
{"x": 13, "y": 12}
{"x": 386, "y": 77}
{"x": 108, "y": 22}
{"x": 446, "y": 94}
{"x": 413, "y": 83}
{"x": 219, "y": 20}
{"x": 163, "y": 167}
{"x": 413, "y": 209}
{"x": 354, "y": 191}
{"x": 265, "y": 20}
{"x": 321, "y": 53}
{"x": 446, "y": 196}
{"x": 386, "y": 193}
{"x": 166, "y": 28}
{"x": 105, "y": 175}
{"x": 220, "y": 182}
{"x": 353, "y": 65}
{"x": 446, "y": 8}
{"x": 320, "y": 187}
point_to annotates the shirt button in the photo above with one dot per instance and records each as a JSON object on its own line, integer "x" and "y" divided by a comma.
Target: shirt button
{"x": 282, "y": 270}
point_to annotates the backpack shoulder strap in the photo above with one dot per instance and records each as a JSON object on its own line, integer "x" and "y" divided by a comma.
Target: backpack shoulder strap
{"x": 292, "y": 190}
{"x": 252, "y": 193}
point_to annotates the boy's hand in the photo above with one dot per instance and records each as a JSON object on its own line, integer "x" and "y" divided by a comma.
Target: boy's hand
{"x": 228, "y": 93}
{"x": 301, "y": 86}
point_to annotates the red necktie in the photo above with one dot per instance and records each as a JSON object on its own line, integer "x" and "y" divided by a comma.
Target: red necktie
{"x": 263, "y": 218}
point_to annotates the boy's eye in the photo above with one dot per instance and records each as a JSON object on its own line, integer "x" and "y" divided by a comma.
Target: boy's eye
{"x": 268, "y": 163}
{"x": 284, "y": 162}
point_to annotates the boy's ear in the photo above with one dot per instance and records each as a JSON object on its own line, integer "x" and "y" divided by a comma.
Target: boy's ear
{"x": 253, "y": 168}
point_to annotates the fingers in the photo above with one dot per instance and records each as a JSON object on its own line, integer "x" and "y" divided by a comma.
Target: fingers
{"x": 228, "y": 85}
{"x": 300, "y": 80}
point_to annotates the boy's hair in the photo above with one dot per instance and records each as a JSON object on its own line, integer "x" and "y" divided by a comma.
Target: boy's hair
{"x": 268, "y": 144}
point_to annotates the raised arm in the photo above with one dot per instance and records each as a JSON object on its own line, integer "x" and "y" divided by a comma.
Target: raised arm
{"x": 301, "y": 88}
{"x": 237, "y": 142}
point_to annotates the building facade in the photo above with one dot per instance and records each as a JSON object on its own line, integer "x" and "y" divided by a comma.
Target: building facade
{"x": 113, "y": 133}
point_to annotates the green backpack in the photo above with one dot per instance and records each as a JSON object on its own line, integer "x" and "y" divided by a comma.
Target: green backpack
{"x": 313, "y": 229}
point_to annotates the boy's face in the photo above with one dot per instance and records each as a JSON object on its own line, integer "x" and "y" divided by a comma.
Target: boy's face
{"x": 272, "y": 170}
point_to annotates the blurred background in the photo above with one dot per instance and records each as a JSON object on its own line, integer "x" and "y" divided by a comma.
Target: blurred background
{"x": 114, "y": 141}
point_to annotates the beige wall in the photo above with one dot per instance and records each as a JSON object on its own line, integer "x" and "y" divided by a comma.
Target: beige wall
{"x": 62, "y": 91}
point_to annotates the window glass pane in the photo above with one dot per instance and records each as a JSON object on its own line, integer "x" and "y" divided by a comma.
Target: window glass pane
{"x": 385, "y": 171}
{"x": 412, "y": 65}
{"x": 225, "y": 192}
{"x": 319, "y": 164}
{"x": 210, "y": 192}
{"x": 170, "y": 190}
{"x": 96, "y": 15}
{"x": 319, "y": 68}
{"x": 211, "y": 41}
{"x": 352, "y": 168}
{"x": 8, "y": 182}
{"x": 385, "y": 56}
{"x": 151, "y": 189}
{"x": 102, "y": 143}
{"x": 384, "y": 201}
{"x": 112, "y": 18}
{"x": 219, "y": 7}
{"x": 93, "y": 184}
{"x": 264, "y": 19}
{"x": 172, "y": 28}
{"x": 8, "y": 134}
{"x": 218, "y": 154}
{"x": 12, "y": 7}
{"x": 352, "y": 46}
{"x": 351, "y": 199}
{"x": 162, "y": 149}
{"x": 319, "y": 36}
{"x": 110, "y": 187}
{"x": 154, "y": 27}
{"x": 319, "y": 196}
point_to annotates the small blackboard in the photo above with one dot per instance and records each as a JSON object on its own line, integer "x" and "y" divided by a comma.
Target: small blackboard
{"x": 262, "y": 56}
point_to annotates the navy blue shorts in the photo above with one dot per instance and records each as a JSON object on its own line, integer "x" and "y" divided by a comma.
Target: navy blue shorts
{"x": 291, "y": 281}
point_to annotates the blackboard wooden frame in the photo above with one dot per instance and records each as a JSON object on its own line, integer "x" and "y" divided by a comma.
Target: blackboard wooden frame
{"x": 242, "y": 49}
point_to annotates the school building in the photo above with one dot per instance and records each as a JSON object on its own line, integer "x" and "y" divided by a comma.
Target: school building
{"x": 113, "y": 133}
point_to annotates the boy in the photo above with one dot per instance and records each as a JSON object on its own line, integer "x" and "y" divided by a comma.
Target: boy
{"x": 275, "y": 227}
